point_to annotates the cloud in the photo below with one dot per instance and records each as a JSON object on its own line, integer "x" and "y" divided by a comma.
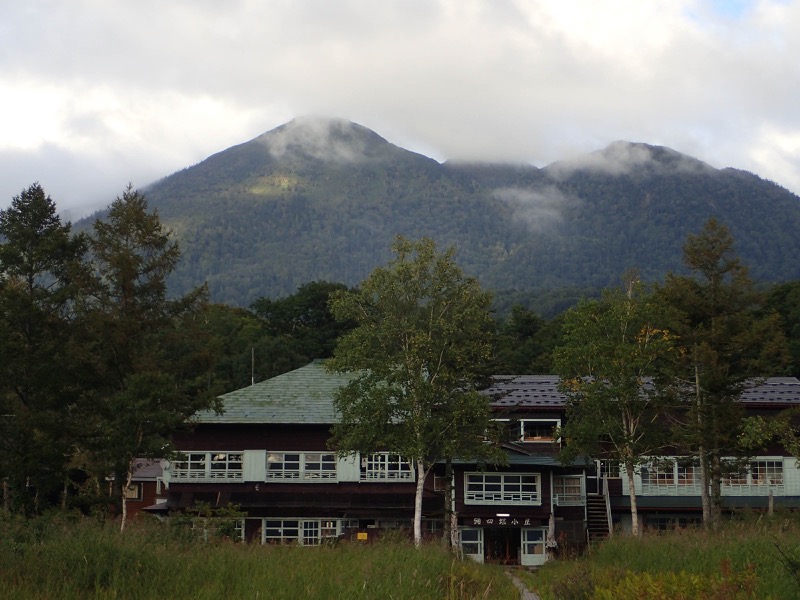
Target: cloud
{"x": 165, "y": 84}
{"x": 623, "y": 158}
{"x": 542, "y": 209}
{"x": 318, "y": 137}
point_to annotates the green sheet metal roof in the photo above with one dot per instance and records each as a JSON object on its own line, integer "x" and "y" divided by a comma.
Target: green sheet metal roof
{"x": 304, "y": 395}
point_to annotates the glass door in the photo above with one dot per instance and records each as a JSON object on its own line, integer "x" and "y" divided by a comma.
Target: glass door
{"x": 533, "y": 548}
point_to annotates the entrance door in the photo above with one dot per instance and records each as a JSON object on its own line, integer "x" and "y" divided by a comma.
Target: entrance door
{"x": 502, "y": 545}
{"x": 533, "y": 548}
{"x": 471, "y": 540}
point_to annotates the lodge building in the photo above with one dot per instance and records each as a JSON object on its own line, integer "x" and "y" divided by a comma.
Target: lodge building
{"x": 267, "y": 453}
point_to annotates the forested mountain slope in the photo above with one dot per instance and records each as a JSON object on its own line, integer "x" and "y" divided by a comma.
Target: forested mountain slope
{"x": 322, "y": 199}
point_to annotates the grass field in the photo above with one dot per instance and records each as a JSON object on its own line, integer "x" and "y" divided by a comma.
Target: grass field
{"x": 749, "y": 557}
{"x": 64, "y": 558}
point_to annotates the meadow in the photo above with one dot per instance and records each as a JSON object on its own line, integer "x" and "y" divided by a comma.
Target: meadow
{"x": 75, "y": 557}
{"x": 750, "y": 556}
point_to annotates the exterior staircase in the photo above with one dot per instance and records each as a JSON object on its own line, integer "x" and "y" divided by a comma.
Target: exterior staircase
{"x": 596, "y": 518}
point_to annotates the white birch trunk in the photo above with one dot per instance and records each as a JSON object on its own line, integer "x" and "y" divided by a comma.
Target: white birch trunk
{"x": 418, "y": 503}
{"x": 632, "y": 495}
{"x": 128, "y": 477}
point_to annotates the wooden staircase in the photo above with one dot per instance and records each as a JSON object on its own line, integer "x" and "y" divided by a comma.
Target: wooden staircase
{"x": 596, "y": 518}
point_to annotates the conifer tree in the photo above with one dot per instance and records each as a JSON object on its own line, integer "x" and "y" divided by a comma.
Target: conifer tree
{"x": 725, "y": 342}
{"x": 41, "y": 262}
{"x": 143, "y": 393}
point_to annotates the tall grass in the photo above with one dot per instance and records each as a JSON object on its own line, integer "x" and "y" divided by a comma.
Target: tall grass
{"x": 78, "y": 558}
{"x": 748, "y": 557}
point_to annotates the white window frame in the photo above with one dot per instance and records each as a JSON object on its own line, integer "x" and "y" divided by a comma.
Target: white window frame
{"x": 470, "y": 539}
{"x": 761, "y": 473}
{"x": 539, "y": 439}
{"x": 209, "y": 466}
{"x": 386, "y": 466}
{"x": 533, "y": 551}
{"x": 519, "y": 434}
{"x": 304, "y": 532}
{"x": 503, "y": 488}
{"x": 573, "y": 495}
{"x": 302, "y": 466}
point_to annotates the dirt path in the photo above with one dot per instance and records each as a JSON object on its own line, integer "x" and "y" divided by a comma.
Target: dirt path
{"x": 525, "y": 593}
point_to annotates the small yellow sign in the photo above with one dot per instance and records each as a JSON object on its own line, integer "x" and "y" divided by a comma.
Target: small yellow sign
{"x": 362, "y": 535}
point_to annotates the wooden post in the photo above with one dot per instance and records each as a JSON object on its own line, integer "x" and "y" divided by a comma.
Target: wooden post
{"x": 771, "y": 504}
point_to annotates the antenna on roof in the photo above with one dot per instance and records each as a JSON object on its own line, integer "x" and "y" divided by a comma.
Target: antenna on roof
{"x": 252, "y": 365}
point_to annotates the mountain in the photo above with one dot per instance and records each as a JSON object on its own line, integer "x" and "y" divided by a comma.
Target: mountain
{"x": 322, "y": 199}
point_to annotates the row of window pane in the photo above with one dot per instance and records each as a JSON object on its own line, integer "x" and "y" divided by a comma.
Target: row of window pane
{"x": 387, "y": 466}
{"x": 306, "y": 532}
{"x": 503, "y": 487}
{"x": 542, "y": 430}
{"x": 760, "y": 472}
{"x": 209, "y": 465}
{"x": 301, "y": 465}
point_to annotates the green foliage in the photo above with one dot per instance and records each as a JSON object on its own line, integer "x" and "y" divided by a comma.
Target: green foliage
{"x": 784, "y": 299}
{"x": 142, "y": 393}
{"x": 525, "y": 343}
{"x": 725, "y": 342}
{"x": 611, "y": 364}
{"x": 40, "y": 263}
{"x": 423, "y": 336}
{"x": 75, "y": 558}
{"x": 742, "y": 559}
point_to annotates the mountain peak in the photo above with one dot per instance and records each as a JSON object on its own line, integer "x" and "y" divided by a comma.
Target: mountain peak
{"x": 325, "y": 139}
{"x": 624, "y": 158}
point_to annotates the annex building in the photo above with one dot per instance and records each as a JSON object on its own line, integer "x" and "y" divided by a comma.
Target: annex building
{"x": 268, "y": 454}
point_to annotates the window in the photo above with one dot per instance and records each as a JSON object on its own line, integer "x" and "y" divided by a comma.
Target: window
{"x": 759, "y": 473}
{"x": 658, "y": 474}
{"x": 539, "y": 431}
{"x": 686, "y": 475}
{"x": 306, "y": 532}
{"x": 471, "y": 541}
{"x": 668, "y": 523}
{"x": 385, "y": 466}
{"x": 502, "y": 488}
{"x": 608, "y": 467}
{"x": 533, "y": 541}
{"x": 766, "y": 472}
{"x": 306, "y": 466}
{"x": 281, "y": 532}
{"x": 133, "y": 491}
{"x": 209, "y": 466}
{"x": 568, "y": 489}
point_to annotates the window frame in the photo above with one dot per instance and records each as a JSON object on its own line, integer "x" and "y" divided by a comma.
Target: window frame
{"x": 199, "y": 465}
{"x": 304, "y": 466}
{"x": 505, "y": 492}
{"x": 564, "y": 498}
{"x": 138, "y": 494}
{"x": 385, "y": 466}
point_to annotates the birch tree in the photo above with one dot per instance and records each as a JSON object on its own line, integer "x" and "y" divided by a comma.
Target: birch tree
{"x": 610, "y": 363}
{"x": 423, "y": 331}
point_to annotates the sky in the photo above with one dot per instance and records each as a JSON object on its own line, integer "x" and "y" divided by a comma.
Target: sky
{"x": 95, "y": 94}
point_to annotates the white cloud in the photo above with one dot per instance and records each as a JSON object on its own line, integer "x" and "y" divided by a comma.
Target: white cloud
{"x": 541, "y": 209}
{"x": 149, "y": 87}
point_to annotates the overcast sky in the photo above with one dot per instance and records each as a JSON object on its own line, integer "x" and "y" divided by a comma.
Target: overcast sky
{"x": 97, "y": 93}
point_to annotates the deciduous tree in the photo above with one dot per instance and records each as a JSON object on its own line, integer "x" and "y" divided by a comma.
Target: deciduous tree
{"x": 423, "y": 331}
{"x": 611, "y": 364}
